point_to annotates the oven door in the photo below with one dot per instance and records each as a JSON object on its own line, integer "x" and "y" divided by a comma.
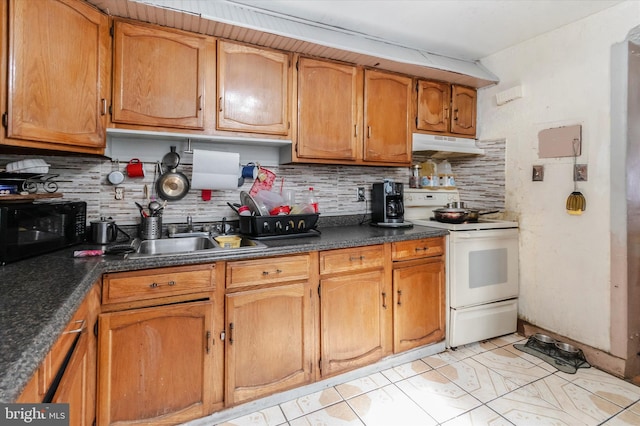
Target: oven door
{"x": 483, "y": 266}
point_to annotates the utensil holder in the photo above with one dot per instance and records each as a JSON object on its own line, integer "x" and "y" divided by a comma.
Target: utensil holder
{"x": 151, "y": 228}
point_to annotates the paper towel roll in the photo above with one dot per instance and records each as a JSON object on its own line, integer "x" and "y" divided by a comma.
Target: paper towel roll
{"x": 215, "y": 169}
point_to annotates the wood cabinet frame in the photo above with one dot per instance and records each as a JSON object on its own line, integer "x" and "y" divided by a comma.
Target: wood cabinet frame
{"x": 236, "y": 110}
{"x": 155, "y": 90}
{"x": 37, "y": 114}
{"x": 377, "y": 107}
{"x": 445, "y": 108}
{"x": 271, "y": 326}
{"x": 131, "y": 309}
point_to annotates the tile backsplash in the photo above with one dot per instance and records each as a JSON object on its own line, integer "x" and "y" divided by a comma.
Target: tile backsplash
{"x": 480, "y": 180}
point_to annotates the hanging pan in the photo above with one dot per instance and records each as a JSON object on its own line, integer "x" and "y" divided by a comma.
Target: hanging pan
{"x": 172, "y": 185}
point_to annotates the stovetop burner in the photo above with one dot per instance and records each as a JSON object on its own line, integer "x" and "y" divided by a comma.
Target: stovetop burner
{"x": 420, "y": 203}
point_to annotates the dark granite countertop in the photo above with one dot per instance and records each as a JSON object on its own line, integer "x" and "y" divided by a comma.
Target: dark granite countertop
{"x": 40, "y": 295}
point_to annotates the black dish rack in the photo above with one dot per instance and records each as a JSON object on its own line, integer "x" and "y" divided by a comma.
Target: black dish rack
{"x": 279, "y": 225}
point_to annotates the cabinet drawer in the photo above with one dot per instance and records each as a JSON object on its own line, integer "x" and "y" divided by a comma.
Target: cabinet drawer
{"x": 351, "y": 259}
{"x": 415, "y": 249}
{"x": 150, "y": 284}
{"x": 244, "y": 273}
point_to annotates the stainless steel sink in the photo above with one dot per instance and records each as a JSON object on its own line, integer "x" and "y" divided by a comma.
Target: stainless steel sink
{"x": 187, "y": 245}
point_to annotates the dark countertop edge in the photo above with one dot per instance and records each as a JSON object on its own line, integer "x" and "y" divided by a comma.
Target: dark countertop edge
{"x": 16, "y": 375}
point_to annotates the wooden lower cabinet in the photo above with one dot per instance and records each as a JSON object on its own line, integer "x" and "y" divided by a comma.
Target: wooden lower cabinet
{"x": 78, "y": 387}
{"x": 156, "y": 364}
{"x": 418, "y": 304}
{"x": 269, "y": 341}
{"x": 165, "y": 357}
{"x": 355, "y": 309}
{"x": 77, "y": 377}
{"x": 418, "y": 293}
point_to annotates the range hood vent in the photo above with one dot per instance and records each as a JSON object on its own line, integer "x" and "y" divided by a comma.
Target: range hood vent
{"x": 439, "y": 146}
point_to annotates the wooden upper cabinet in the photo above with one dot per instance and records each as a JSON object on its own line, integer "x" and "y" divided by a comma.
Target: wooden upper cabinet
{"x": 434, "y": 99}
{"x": 387, "y": 109}
{"x": 446, "y": 108}
{"x": 158, "y": 76}
{"x": 328, "y": 114}
{"x": 463, "y": 106}
{"x": 253, "y": 89}
{"x": 58, "y": 75}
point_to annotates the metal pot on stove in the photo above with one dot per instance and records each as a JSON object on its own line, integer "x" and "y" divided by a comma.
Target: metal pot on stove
{"x": 450, "y": 214}
{"x": 457, "y": 212}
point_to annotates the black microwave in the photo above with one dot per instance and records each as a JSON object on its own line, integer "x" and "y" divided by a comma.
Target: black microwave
{"x": 30, "y": 229}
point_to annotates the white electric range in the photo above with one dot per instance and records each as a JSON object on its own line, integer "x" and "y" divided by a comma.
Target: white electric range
{"x": 481, "y": 269}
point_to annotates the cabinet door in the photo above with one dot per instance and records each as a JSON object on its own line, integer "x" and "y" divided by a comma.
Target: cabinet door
{"x": 58, "y": 73}
{"x": 155, "y": 364}
{"x": 352, "y": 321}
{"x": 387, "y": 108}
{"x": 269, "y": 341}
{"x": 158, "y": 77}
{"x": 463, "y": 105}
{"x": 253, "y": 88}
{"x": 77, "y": 377}
{"x": 419, "y": 303}
{"x": 434, "y": 98}
{"x": 328, "y": 118}
{"x": 74, "y": 387}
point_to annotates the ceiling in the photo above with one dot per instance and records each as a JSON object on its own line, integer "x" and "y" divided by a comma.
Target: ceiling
{"x": 463, "y": 29}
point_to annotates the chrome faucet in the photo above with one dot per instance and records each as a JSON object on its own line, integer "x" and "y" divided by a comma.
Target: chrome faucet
{"x": 189, "y": 224}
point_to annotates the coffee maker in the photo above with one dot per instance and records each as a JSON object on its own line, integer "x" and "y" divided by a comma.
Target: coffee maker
{"x": 387, "y": 205}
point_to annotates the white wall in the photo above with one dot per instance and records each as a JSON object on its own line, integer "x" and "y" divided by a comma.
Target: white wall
{"x": 564, "y": 260}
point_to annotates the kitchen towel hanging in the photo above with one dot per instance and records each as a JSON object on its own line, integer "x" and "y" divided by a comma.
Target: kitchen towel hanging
{"x": 215, "y": 169}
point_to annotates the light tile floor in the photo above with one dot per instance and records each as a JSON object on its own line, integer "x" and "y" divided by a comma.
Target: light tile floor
{"x": 489, "y": 383}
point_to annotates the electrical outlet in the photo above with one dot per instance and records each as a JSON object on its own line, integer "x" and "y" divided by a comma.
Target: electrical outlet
{"x": 360, "y": 194}
{"x": 119, "y": 193}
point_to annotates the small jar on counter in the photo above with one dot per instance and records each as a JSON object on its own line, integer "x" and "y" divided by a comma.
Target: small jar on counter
{"x": 414, "y": 179}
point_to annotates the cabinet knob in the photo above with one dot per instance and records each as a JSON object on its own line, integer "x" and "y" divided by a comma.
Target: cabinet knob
{"x": 153, "y": 285}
